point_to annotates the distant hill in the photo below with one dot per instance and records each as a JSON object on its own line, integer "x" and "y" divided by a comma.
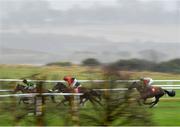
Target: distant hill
{"x": 22, "y": 56}
{"x": 43, "y": 48}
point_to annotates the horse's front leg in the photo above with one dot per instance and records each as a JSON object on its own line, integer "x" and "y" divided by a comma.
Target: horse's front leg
{"x": 147, "y": 103}
{"x": 64, "y": 100}
{"x": 154, "y": 102}
{"x": 82, "y": 101}
{"x": 20, "y": 100}
{"x": 53, "y": 99}
{"x": 139, "y": 100}
{"x": 23, "y": 100}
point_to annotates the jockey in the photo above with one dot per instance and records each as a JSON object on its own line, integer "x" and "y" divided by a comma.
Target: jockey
{"x": 30, "y": 85}
{"x": 147, "y": 82}
{"x": 72, "y": 82}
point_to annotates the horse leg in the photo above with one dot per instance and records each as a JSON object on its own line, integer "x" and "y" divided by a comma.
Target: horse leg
{"x": 52, "y": 96}
{"x": 53, "y": 99}
{"x": 98, "y": 95}
{"x": 24, "y": 101}
{"x": 146, "y": 103}
{"x": 157, "y": 99}
{"x": 64, "y": 100}
{"x": 155, "y": 102}
{"x": 94, "y": 99}
{"x": 91, "y": 100}
{"x": 139, "y": 100}
{"x": 81, "y": 100}
{"x": 85, "y": 101}
{"x": 19, "y": 101}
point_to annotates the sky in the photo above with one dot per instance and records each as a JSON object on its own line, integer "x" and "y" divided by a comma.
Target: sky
{"x": 143, "y": 20}
{"x": 169, "y": 5}
{"x": 68, "y": 4}
{"x": 74, "y": 25}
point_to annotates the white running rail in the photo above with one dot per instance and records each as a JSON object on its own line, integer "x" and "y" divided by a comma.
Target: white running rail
{"x": 43, "y": 94}
{"x": 51, "y": 81}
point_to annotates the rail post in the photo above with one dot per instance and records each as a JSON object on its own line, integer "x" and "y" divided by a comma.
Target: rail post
{"x": 39, "y": 105}
{"x": 74, "y": 108}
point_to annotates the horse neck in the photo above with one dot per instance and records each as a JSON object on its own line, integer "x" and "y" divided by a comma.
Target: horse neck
{"x": 21, "y": 89}
{"x": 62, "y": 88}
{"x": 138, "y": 87}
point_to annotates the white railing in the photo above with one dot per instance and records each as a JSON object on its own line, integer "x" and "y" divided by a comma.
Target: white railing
{"x": 51, "y": 81}
{"x": 172, "y": 87}
{"x": 42, "y": 94}
{"x": 176, "y": 87}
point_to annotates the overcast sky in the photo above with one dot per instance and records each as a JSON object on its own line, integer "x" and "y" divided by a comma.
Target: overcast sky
{"x": 116, "y": 20}
{"x": 85, "y": 25}
{"x": 169, "y": 5}
{"x": 152, "y": 10}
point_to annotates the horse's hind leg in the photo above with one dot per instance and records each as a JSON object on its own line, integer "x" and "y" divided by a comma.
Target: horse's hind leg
{"x": 94, "y": 99}
{"x": 99, "y": 97}
{"x": 91, "y": 100}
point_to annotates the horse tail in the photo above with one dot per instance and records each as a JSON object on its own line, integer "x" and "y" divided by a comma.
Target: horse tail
{"x": 170, "y": 93}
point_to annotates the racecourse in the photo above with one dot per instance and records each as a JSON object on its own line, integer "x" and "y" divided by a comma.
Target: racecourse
{"x": 165, "y": 113}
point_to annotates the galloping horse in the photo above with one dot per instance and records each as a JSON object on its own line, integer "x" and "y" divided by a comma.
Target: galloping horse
{"x": 88, "y": 94}
{"x": 150, "y": 92}
{"x": 23, "y": 89}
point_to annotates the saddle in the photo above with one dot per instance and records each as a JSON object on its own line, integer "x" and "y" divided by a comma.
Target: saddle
{"x": 149, "y": 88}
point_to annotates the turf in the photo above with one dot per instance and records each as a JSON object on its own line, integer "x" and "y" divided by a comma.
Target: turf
{"x": 166, "y": 113}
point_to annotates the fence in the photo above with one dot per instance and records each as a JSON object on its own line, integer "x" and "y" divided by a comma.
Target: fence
{"x": 38, "y": 97}
{"x": 51, "y": 81}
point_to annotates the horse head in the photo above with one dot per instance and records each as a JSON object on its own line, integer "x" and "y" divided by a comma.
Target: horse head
{"x": 133, "y": 85}
{"x": 136, "y": 85}
{"x": 59, "y": 87}
{"x": 19, "y": 87}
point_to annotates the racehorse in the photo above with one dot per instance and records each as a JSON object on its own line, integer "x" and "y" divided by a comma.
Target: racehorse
{"x": 150, "y": 92}
{"x": 88, "y": 94}
{"x": 23, "y": 89}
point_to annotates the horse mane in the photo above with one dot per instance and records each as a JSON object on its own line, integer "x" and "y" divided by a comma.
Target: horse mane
{"x": 60, "y": 83}
{"x": 20, "y": 85}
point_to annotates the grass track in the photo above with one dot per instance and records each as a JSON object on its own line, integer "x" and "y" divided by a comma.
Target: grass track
{"x": 166, "y": 113}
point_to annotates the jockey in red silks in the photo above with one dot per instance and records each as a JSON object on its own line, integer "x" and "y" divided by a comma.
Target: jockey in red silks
{"x": 73, "y": 83}
{"x": 147, "y": 82}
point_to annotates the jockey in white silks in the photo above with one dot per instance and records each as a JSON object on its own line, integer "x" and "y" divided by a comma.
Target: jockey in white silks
{"x": 147, "y": 82}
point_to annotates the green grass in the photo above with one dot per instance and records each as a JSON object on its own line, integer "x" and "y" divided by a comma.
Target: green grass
{"x": 46, "y": 72}
{"x": 166, "y": 113}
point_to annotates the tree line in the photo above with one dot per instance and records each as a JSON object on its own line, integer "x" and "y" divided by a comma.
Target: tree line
{"x": 131, "y": 65}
